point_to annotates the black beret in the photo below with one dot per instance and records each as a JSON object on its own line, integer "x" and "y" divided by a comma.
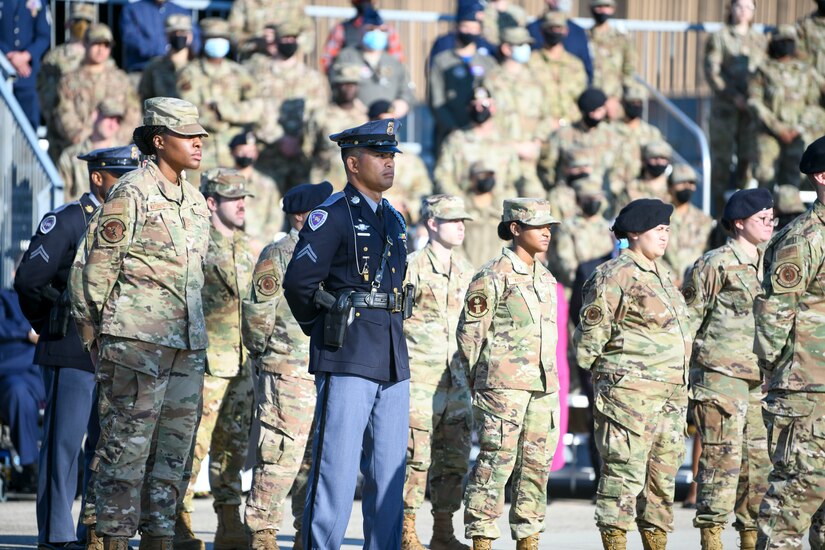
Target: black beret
{"x": 378, "y": 108}
{"x": 813, "y": 159}
{"x": 641, "y": 215}
{"x": 590, "y": 100}
{"x": 244, "y": 138}
{"x": 306, "y": 197}
{"x": 747, "y": 202}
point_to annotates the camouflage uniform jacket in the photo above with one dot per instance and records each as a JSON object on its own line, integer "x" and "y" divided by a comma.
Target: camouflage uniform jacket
{"x": 578, "y": 240}
{"x": 140, "y": 273}
{"x": 411, "y": 184}
{"x": 522, "y": 112}
{"x": 614, "y": 60}
{"x": 719, "y": 290}
{"x": 810, "y": 41}
{"x": 388, "y": 80}
{"x": 599, "y": 143}
{"x": 632, "y": 141}
{"x": 783, "y": 95}
{"x": 481, "y": 243}
{"x": 57, "y": 62}
{"x": 159, "y": 79}
{"x": 451, "y": 82}
{"x": 507, "y": 331}
{"x": 248, "y": 18}
{"x": 430, "y": 332}
{"x": 80, "y": 92}
{"x": 634, "y": 321}
{"x": 689, "y": 237}
{"x": 639, "y": 188}
{"x": 731, "y": 59}
{"x": 327, "y": 163}
{"x": 270, "y": 332}
{"x": 264, "y": 217}
{"x": 73, "y": 171}
{"x": 227, "y": 273}
{"x": 789, "y": 313}
{"x": 562, "y": 81}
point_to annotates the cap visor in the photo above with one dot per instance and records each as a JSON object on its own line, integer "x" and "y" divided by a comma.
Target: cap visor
{"x": 190, "y": 130}
{"x": 236, "y": 194}
{"x": 538, "y": 221}
{"x": 384, "y": 149}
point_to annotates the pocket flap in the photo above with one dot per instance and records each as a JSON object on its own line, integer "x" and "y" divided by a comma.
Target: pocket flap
{"x": 133, "y": 354}
{"x": 789, "y": 406}
{"x": 619, "y": 414}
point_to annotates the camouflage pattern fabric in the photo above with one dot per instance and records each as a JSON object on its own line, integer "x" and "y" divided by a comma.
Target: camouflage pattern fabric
{"x": 387, "y": 80}
{"x": 562, "y": 80}
{"x": 411, "y": 184}
{"x": 810, "y": 43}
{"x": 481, "y": 243}
{"x": 633, "y": 139}
{"x": 248, "y": 18}
{"x": 689, "y": 234}
{"x": 598, "y": 144}
{"x": 57, "y": 62}
{"x": 642, "y": 187}
{"x": 264, "y": 217}
{"x": 576, "y": 241}
{"x": 440, "y": 412}
{"x": 614, "y": 60}
{"x": 326, "y": 163}
{"x": 74, "y": 172}
{"x": 496, "y": 21}
{"x": 159, "y": 79}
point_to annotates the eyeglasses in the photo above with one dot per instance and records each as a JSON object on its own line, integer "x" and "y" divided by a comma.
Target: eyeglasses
{"x": 768, "y": 220}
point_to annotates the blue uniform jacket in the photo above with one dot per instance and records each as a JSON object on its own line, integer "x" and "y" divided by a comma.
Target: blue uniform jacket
{"x": 575, "y": 43}
{"x": 16, "y": 352}
{"x": 47, "y": 263}
{"x": 142, "y": 25}
{"x": 337, "y": 239}
{"x": 24, "y": 26}
{"x": 448, "y": 42}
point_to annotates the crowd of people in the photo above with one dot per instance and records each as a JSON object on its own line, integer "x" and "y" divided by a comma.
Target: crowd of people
{"x": 175, "y": 297}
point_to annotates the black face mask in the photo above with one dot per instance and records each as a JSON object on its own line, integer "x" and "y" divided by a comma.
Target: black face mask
{"x": 820, "y": 8}
{"x": 655, "y": 170}
{"x": 684, "y": 195}
{"x": 485, "y": 185}
{"x": 482, "y": 116}
{"x": 552, "y": 38}
{"x": 286, "y": 49}
{"x": 591, "y": 122}
{"x": 177, "y": 42}
{"x": 781, "y": 48}
{"x": 465, "y": 38}
{"x": 590, "y": 207}
{"x": 575, "y": 177}
{"x": 243, "y": 162}
{"x": 599, "y": 18}
{"x": 633, "y": 110}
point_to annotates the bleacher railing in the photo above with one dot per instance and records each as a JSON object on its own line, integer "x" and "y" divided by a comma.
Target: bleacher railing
{"x": 29, "y": 183}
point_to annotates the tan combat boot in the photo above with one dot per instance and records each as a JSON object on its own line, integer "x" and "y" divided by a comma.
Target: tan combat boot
{"x": 528, "y": 543}
{"x": 711, "y": 537}
{"x": 264, "y": 540}
{"x": 747, "y": 539}
{"x": 93, "y": 542}
{"x": 409, "y": 538}
{"x": 614, "y": 539}
{"x": 115, "y": 543}
{"x": 654, "y": 539}
{"x": 184, "y": 538}
{"x": 231, "y": 533}
{"x": 155, "y": 543}
{"x": 482, "y": 543}
{"x": 443, "y": 535}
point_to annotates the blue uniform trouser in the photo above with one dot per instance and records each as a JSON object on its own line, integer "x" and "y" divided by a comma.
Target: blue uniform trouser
{"x": 71, "y": 413}
{"x": 358, "y": 422}
{"x": 27, "y": 98}
{"x": 20, "y": 398}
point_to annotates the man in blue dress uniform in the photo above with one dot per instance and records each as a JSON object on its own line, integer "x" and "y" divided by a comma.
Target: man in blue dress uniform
{"x": 68, "y": 373}
{"x": 351, "y": 259}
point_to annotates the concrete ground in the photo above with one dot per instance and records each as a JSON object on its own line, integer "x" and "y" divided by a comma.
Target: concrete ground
{"x": 569, "y": 527}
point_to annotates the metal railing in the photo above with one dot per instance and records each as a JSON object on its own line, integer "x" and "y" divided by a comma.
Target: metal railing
{"x": 29, "y": 183}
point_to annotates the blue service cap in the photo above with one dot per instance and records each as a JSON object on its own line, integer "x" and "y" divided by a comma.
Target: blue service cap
{"x": 378, "y": 135}
{"x": 306, "y": 197}
{"x": 113, "y": 159}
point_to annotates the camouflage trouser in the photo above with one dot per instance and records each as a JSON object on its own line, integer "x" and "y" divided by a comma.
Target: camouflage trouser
{"x": 149, "y": 403}
{"x": 299, "y": 488}
{"x": 517, "y": 433}
{"x": 223, "y": 434}
{"x": 795, "y": 500}
{"x": 778, "y": 163}
{"x": 287, "y": 404}
{"x": 639, "y": 428}
{"x": 439, "y": 442}
{"x": 732, "y": 132}
{"x": 734, "y": 466}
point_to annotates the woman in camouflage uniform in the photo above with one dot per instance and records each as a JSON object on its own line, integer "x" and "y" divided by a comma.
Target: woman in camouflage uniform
{"x": 634, "y": 336}
{"x": 507, "y": 338}
{"x": 726, "y": 385}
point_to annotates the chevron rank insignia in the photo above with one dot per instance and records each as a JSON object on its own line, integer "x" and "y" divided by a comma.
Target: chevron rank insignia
{"x": 308, "y": 252}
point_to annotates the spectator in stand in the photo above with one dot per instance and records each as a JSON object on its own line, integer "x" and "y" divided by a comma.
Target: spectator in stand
{"x": 142, "y": 27}
{"x": 448, "y": 41}
{"x": 350, "y": 33}
{"x": 575, "y": 42}
{"x": 159, "y": 78}
{"x": 25, "y": 30}
{"x": 500, "y": 15}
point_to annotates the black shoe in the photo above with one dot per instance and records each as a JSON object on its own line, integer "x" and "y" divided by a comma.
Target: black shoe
{"x": 72, "y": 545}
{"x": 25, "y": 481}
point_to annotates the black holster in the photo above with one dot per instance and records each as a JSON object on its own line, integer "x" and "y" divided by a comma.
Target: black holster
{"x": 336, "y": 318}
{"x": 59, "y": 316}
{"x": 409, "y": 301}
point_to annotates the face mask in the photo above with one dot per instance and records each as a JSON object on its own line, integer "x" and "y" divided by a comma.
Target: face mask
{"x": 485, "y": 185}
{"x": 216, "y": 48}
{"x": 521, "y": 54}
{"x": 575, "y": 177}
{"x": 684, "y": 195}
{"x": 552, "y": 38}
{"x": 590, "y": 121}
{"x": 287, "y": 49}
{"x": 177, "y": 42}
{"x": 633, "y": 110}
{"x": 655, "y": 170}
{"x": 244, "y": 162}
{"x": 481, "y": 116}
{"x": 599, "y": 18}
{"x": 820, "y": 7}
{"x": 375, "y": 40}
{"x": 781, "y": 48}
{"x": 466, "y": 38}
{"x": 591, "y": 207}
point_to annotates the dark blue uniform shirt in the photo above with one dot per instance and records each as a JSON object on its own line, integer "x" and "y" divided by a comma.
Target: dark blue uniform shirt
{"x": 338, "y": 239}
{"x": 142, "y": 25}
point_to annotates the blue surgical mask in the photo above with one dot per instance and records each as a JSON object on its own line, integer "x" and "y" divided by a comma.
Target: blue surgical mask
{"x": 521, "y": 53}
{"x": 375, "y": 40}
{"x": 216, "y": 48}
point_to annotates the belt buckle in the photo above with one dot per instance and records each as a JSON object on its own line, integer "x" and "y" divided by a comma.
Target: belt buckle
{"x": 398, "y": 304}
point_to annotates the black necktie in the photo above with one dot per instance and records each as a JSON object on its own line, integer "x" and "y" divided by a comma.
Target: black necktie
{"x": 379, "y": 211}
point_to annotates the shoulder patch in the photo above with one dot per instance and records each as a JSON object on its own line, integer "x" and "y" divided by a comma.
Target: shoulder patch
{"x": 113, "y": 230}
{"x": 47, "y": 224}
{"x": 114, "y": 206}
{"x": 476, "y": 304}
{"x": 689, "y": 292}
{"x": 267, "y": 284}
{"x": 788, "y": 275}
{"x": 317, "y": 218}
{"x": 592, "y": 315}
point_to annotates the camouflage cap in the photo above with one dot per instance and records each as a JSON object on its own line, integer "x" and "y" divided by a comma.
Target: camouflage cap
{"x": 554, "y": 19}
{"x": 657, "y": 149}
{"x": 635, "y": 92}
{"x": 177, "y": 22}
{"x": 345, "y": 74}
{"x": 80, "y": 10}
{"x": 602, "y": 3}
{"x": 445, "y": 207}
{"x": 588, "y": 186}
{"x": 110, "y": 108}
{"x": 291, "y": 27}
{"x": 99, "y": 33}
{"x": 682, "y": 173}
{"x": 784, "y": 32}
{"x": 786, "y": 200}
{"x": 516, "y": 36}
{"x": 175, "y": 114}
{"x": 577, "y": 157}
{"x": 215, "y": 27}
{"x": 482, "y": 166}
{"x": 528, "y": 212}
{"x": 224, "y": 182}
